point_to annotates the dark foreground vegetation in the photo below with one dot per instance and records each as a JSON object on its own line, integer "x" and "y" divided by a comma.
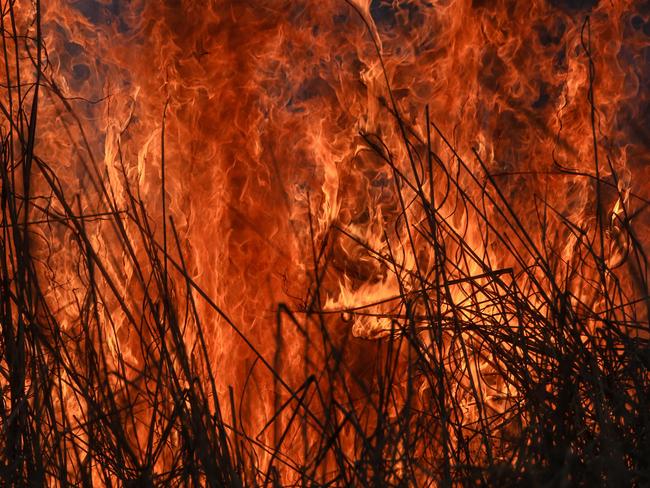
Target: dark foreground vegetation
{"x": 532, "y": 370}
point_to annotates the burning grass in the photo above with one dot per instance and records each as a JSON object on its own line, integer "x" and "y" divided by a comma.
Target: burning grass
{"x": 505, "y": 347}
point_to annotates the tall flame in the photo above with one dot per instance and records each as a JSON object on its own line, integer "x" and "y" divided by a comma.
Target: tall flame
{"x": 277, "y": 155}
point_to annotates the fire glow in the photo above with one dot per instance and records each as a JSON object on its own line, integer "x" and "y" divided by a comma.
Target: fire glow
{"x": 344, "y": 242}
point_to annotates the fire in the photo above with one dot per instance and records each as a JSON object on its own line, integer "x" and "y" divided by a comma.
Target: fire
{"x": 348, "y": 241}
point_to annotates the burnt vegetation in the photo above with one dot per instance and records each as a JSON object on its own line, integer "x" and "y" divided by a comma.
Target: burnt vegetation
{"x": 532, "y": 369}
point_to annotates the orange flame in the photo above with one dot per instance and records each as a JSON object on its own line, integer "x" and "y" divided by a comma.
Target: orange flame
{"x": 284, "y": 145}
